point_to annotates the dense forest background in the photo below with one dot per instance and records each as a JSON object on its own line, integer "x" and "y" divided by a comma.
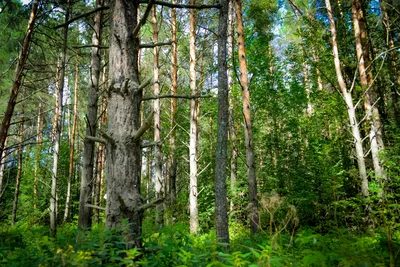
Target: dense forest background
{"x": 200, "y": 133}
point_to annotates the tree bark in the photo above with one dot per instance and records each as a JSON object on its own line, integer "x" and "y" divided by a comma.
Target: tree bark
{"x": 57, "y": 126}
{"x": 124, "y": 152}
{"x": 174, "y": 86}
{"x": 350, "y": 106}
{"x": 248, "y": 132}
{"x": 72, "y": 140}
{"x": 221, "y": 155}
{"x": 3, "y": 157}
{"x": 87, "y": 181}
{"x": 193, "y": 208}
{"x": 23, "y": 56}
{"x": 19, "y": 171}
{"x": 369, "y": 89}
{"x": 157, "y": 126}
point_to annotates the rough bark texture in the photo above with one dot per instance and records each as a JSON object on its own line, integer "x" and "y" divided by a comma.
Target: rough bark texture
{"x": 369, "y": 89}
{"x": 350, "y": 106}
{"x": 248, "y": 133}
{"x": 23, "y": 56}
{"x": 87, "y": 181}
{"x": 174, "y": 86}
{"x": 157, "y": 126}
{"x": 124, "y": 152}
{"x": 72, "y": 139}
{"x": 193, "y": 208}
{"x": 221, "y": 153}
{"x": 19, "y": 171}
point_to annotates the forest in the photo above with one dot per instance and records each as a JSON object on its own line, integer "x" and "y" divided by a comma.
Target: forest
{"x": 200, "y": 133}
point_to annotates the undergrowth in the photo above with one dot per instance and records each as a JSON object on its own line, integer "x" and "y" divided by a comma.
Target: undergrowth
{"x": 24, "y": 245}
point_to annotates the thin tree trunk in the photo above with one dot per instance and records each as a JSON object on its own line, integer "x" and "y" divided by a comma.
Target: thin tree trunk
{"x": 3, "y": 157}
{"x": 232, "y": 130}
{"x": 250, "y": 162}
{"x": 174, "y": 86}
{"x": 157, "y": 125}
{"x": 392, "y": 57}
{"x": 369, "y": 89}
{"x": 19, "y": 171}
{"x": 221, "y": 155}
{"x": 123, "y": 168}
{"x": 193, "y": 208}
{"x": 38, "y": 152}
{"x": 57, "y": 127}
{"x": 350, "y": 106}
{"x": 85, "y": 212}
{"x": 23, "y": 56}
{"x": 72, "y": 140}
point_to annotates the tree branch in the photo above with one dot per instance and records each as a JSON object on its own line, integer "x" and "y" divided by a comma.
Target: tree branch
{"x": 144, "y": 18}
{"x": 95, "y": 207}
{"x": 162, "y": 3}
{"x": 146, "y": 125}
{"x": 95, "y": 139}
{"x": 151, "y": 204}
{"x": 82, "y": 16}
{"x": 90, "y": 45}
{"x": 152, "y": 45}
{"x": 174, "y": 96}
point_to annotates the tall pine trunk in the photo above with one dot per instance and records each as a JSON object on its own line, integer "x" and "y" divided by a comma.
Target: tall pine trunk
{"x": 248, "y": 132}
{"x": 157, "y": 123}
{"x": 174, "y": 86}
{"x": 18, "y": 74}
{"x": 221, "y": 153}
{"x": 193, "y": 208}
{"x": 123, "y": 157}
{"x": 85, "y": 212}
{"x": 19, "y": 170}
{"x": 38, "y": 152}
{"x": 72, "y": 140}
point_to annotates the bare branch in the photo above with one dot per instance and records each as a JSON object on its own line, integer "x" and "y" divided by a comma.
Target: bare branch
{"x": 144, "y": 18}
{"x": 95, "y": 139}
{"x": 162, "y": 3}
{"x": 89, "y": 46}
{"x": 146, "y": 125}
{"x": 151, "y": 204}
{"x": 82, "y": 16}
{"x": 95, "y": 207}
{"x": 152, "y": 45}
{"x": 146, "y": 83}
{"x": 174, "y": 96}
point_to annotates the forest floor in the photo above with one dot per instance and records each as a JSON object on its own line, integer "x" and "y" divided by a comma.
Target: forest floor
{"x": 24, "y": 245}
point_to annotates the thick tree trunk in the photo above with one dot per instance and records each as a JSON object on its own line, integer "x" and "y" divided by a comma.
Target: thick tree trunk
{"x": 367, "y": 80}
{"x": 57, "y": 127}
{"x": 157, "y": 124}
{"x": 19, "y": 171}
{"x": 23, "y": 56}
{"x": 38, "y": 152}
{"x": 85, "y": 212}
{"x": 221, "y": 153}
{"x": 193, "y": 208}
{"x": 350, "y": 106}
{"x": 174, "y": 86}
{"x": 248, "y": 133}
{"x": 124, "y": 98}
{"x": 72, "y": 140}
